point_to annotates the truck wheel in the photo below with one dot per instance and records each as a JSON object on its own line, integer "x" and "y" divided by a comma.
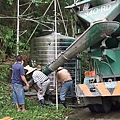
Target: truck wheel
{"x": 105, "y": 107}
{"x": 101, "y": 108}
{"x": 92, "y": 108}
{"x": 107, "y": 104}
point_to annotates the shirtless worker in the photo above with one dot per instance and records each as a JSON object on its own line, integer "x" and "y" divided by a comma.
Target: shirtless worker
{"x": 67, "y": 84}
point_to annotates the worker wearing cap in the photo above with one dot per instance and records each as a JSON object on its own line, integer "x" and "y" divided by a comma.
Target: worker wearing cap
{"x": 43, "y": 82}
{"x": 18, "y": 80}
{"x": 67, "y": 84}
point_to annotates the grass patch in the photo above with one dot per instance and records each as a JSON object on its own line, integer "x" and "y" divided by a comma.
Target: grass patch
{"x": 35, "y": 111}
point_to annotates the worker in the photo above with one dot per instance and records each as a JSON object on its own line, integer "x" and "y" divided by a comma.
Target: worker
{"x": 43, "y": 82}
{"x": 18, "y": 79}
{"x": 65, "y": 78}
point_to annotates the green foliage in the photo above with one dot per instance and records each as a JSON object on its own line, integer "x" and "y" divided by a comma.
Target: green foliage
{"x": 7, "y": 42}
{"x": 2, "y": 56}
{"x": 85, "y": 62}
{"x": 10, "y": 2}
{"x": 34, "y": 109}
{"x": 6, "y": 34}
{"x": 34, "y": 1}
{"x": 5, "y": 71}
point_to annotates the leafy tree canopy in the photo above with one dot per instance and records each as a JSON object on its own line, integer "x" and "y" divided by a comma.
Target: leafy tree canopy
{"x": 35, "y": 20}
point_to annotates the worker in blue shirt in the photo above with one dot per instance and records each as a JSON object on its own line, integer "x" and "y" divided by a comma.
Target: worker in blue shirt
{"x": 18, "y": 80}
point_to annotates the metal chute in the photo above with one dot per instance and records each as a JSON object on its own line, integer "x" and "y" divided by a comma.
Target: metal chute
{"x": 92, "y": 35}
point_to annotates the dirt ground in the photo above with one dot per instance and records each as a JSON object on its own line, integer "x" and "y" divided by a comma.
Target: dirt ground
{"x": 85, "y": 114}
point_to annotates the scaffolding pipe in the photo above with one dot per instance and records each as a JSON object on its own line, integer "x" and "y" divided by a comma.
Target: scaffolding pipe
{"x": 56, "y": 52}
{"x": 17, "y": 44}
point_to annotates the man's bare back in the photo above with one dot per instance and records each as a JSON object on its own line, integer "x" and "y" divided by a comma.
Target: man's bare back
{"x": 63, "y": 75}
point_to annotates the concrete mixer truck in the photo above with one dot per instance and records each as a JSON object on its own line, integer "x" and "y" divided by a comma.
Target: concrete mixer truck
{"x": 99, "y": 22}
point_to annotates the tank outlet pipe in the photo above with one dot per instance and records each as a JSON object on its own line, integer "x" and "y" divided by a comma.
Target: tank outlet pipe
{"x": 91, "y": 36}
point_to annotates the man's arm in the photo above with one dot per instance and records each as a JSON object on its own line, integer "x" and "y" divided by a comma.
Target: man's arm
{"x": 24, "y": 80}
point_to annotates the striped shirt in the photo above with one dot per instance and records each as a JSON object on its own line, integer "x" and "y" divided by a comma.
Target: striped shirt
{"x": 39, "y": 76}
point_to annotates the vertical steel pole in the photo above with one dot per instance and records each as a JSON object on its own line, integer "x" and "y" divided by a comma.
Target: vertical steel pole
{"x": 56, "y": 52}
{"x": 17, "y": 43}
{"x": 74, "y": 1}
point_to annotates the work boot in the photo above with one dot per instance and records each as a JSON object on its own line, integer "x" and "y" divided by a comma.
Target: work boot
{"x": 46, "y": 98}
{"x": 42, "y": 101}
{"x": 64, "y": 103}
